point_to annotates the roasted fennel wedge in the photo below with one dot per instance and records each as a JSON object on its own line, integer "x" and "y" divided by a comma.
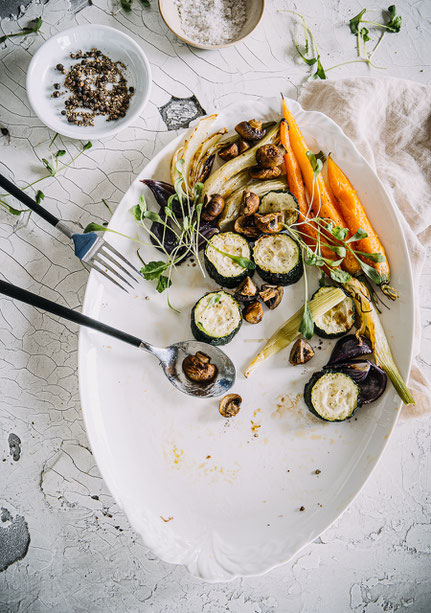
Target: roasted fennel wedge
{"x": 289, "y": 331}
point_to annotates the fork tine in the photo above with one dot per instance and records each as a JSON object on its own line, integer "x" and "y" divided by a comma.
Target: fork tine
{"x": 114, "y": 272}
{"x": 109, "y": 247}
{"x": 105, "y": 254}
{"x": 102, "y": 272}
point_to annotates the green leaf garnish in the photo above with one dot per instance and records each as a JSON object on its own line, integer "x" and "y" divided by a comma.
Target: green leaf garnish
{"x": 316, "y": 163}
{"x": 355, "y": 21}
{"x": 374, "y": 257}
{"x": 39, "y": 196}
{"x": 364, "y": 34}
{"x": 48, "y": 166}
{"x": 60, "y": 153}
{"x": 306, "y": 327}
{"x": 320, "y": 73}
{"x": 358, "y": 236}
{"x": 395, "y": 21}
{"x": 126, "y": 5}
{"x": 154, "y": 269}
{"x": 338, "y": 233}
{"x": 94, "y": 227}
{"x": 322, "y": 280}
{"x": 370, "y": 272}
{"x": 163, "y": 283}
{"x": 339, "y": 275}
{"x": 87, "y": 146}
{"x": 28, "y": 30}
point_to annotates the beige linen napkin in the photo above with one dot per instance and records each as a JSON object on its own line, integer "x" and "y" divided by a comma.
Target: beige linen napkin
{"x": 389, "y": 120}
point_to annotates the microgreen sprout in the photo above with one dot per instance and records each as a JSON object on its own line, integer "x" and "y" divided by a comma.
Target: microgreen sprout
{"x": 37, "y": 24}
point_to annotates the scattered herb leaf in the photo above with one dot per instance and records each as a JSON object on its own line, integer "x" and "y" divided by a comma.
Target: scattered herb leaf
{"x": 306, "y": 326}
{"x": 39, "y": 196}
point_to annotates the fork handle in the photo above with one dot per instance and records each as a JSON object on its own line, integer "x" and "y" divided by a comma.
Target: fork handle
{"x": 17, "y": 293}
{"x": 15, "y": 191}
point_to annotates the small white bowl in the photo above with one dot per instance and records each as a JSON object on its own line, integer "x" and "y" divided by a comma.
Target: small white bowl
{"x": 42, "y": 74}
{"x": 170, "y": 16}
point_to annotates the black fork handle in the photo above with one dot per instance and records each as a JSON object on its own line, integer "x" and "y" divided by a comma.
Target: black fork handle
{"x": 17, "y": 293}
{"x": 17, "y": 193}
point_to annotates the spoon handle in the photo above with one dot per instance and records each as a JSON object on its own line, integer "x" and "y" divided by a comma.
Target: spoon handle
{"x": 57, "y": 309}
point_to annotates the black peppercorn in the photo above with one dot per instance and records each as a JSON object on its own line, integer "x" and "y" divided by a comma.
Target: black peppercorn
{"x": 56, "y": 85}
{"x": 60, "y": 67}
{"x": 56, "y": 94}
{"x": 63, "y": 112}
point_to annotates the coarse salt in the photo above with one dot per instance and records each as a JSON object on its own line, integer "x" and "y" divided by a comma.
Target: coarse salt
{"x": 212, "y": 22}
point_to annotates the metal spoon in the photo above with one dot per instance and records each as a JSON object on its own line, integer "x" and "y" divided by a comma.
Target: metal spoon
{"x": 170, "y": 358}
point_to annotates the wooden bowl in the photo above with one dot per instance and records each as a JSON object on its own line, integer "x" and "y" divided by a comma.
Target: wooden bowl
{"x": 170, "y": 16}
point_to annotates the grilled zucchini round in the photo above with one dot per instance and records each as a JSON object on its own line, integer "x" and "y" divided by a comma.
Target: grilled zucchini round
{"x": 283, "y": 201}
{"x": 216, "y": 318}
{"x": 278, "y": 259}
{"x": 337, "y": 321}
{"x": 332, "y": 395}
{"x": 221, "y": 267}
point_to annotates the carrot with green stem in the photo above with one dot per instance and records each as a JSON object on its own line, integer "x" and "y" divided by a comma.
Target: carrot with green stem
{"x": 322, "y": 202}
{"x": 368, "y": 248}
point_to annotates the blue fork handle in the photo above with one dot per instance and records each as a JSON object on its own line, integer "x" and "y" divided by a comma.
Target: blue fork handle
{"x": 17, "y": 293}
{"x": 17, "y": 193}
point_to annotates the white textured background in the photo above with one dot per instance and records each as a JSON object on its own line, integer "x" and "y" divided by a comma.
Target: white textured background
{"x": 82, "y": 555}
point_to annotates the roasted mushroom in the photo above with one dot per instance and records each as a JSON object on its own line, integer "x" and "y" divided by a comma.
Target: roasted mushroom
{"x": 243, "y": 145}
{"x": 271, "y": 295}
{"x": 301, "y": 352}
{"x": 269, "y": 156}
{"x": 257, "y": 172}
{"x": 246, "y": 290}
{"x": 250, "y": 203}
{"x": 253, "y": 312}
{"x": 250, "y": 130}
{"x": 245, "y": 225}
{"x": 230, "y": 405}
{"x": 198, "y": 368}
{"x": 212, "y": 208}
{"x": 271, "y": 223}
{"x": 229, "y": 152}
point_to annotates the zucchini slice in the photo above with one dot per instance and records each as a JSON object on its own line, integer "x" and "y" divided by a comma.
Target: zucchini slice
{"x": 337, "y": 321}
{"x": 278, "y": 259}
{"x": 283, "y": 201}
{"x": 216, "y": 318}
{"x": 332, "y": 395}
{"x": 222, "y": 268}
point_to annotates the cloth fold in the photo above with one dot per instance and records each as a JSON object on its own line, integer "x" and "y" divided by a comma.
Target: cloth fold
{"x": 389, "y": 120}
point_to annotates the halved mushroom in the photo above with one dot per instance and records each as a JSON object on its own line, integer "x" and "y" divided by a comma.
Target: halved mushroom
{"x": 271, "y": 295}
{"x": 250, "y": 130}
{"x": 245, "y": 225}
{"x": 257, "y": 172}
{"x": 212, "y": 208}
{"x": 250, "y": 203}
{"x": 269, "y": 156}
{"x": 230, "y": 405}
{"x": 271, "y": 223}
{"x": 301, "y": 352}
{"x": 253, "y": 312}
{"x": 243, "y": 145}
{"x": 198, "y": 368}
{"x": 246, "y": 290}
{"x": 229, "y": 152}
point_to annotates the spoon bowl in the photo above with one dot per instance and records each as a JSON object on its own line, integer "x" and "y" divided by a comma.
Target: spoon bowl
{"x": 171, "y": 360}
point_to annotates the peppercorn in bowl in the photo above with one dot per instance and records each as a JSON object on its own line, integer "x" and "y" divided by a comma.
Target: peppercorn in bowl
{"x": 89, "y": 82}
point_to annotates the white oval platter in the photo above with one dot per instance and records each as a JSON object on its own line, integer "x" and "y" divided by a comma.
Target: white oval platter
{"x": 222, "y": 497}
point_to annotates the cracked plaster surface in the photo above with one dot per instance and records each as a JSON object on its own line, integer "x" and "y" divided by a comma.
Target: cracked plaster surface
{"x": 82, "y": 552}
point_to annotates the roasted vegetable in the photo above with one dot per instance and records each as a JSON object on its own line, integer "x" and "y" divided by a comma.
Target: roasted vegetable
{"x": 216, "y": 318}
{"x": 250, "y": 203}
{"x": 222, "y": 268}
{"x": 283, "y": 201}
{"x": 187, "y": 152}
{"x": 233, "y": 202}
{"x": 252, "y": 130}
{"x": 278, "y": 259}
{"x": 271, "y": 295}
{"x": 270, "y": 223}
{"x": 301, "y": 352}
{"x": 348, "y": 348}
{"x": 350, "y": 207}
{"x": 229, "y": 152}
{"x": 246, "y": 226}
{"x": 323, "y": 203}
{"x": 253, "y": 312}
{"x": 289, "y": 331}
{"x": 337, "y": 321}
{"x": 204, "y": 157}
{"x": 246, "y": 290}
{"x": 371, "y": 327}
{"x": 370, "y": 378}
{"x": 198, "y": 368}
{"x": 216, "y": 182}
{"x": 332, "y": 395}
{"x": 230, "y": 405}
{"x": 269, "y": 156}
{"x": 258, "y": 172}
{"x": 212, "y": 207}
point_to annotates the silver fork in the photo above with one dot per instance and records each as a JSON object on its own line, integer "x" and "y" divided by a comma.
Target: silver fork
{"x": 89, "y": 248}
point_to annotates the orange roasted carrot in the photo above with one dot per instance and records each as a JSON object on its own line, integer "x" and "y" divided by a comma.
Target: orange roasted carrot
{"x": 323, "y": 204}
{"x": 296, "y": 186}
{"x": 354, "y": 213}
